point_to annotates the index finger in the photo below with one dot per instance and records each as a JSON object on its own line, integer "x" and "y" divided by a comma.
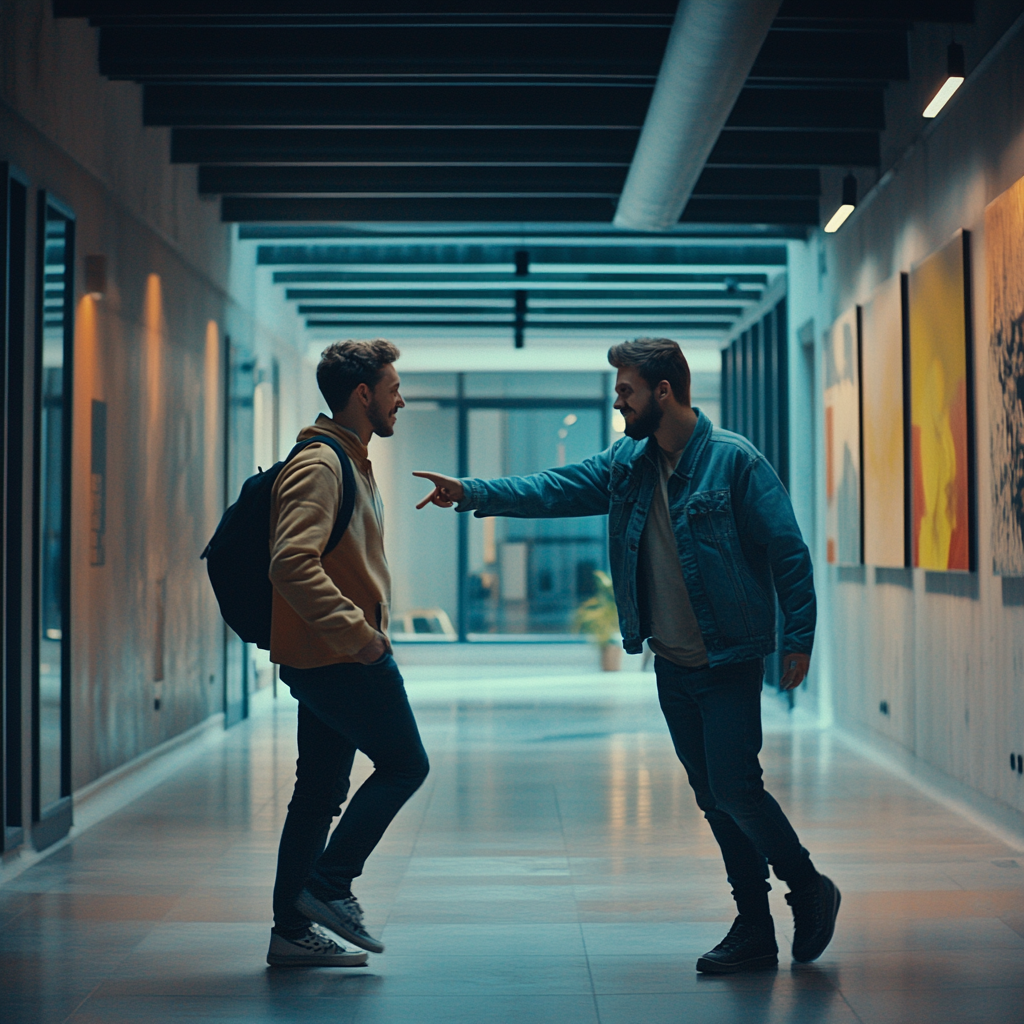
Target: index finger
{"x": 426, "y": 501}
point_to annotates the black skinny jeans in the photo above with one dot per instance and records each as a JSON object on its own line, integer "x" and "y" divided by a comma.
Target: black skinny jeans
{"x": 714, "y": 716}
{"x": 343, "y": 708}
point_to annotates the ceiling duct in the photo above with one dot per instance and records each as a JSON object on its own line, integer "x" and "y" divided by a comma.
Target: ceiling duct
{"x": 711, "y": 49}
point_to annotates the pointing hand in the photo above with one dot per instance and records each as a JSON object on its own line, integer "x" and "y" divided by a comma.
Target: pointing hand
{"x": 447, "y": 490}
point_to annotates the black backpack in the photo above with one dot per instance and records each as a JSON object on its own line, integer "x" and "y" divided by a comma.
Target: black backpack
{"x": 238, "y": 555}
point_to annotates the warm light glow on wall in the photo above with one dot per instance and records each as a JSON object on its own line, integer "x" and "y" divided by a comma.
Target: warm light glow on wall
{"x": 211, "y": 424}
{"x": 153, "y": 318}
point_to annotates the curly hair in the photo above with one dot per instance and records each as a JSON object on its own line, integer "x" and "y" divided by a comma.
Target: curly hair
{"x": 655, "y": 359}
{"x": 344, "y": 365}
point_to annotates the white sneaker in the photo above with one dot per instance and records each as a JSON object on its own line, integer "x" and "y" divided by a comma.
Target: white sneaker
{"x": 344, "y": 917}
{"x": 314, "y": 949}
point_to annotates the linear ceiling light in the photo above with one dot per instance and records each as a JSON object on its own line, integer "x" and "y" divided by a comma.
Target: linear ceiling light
{"x": 954, "y": 79}
{"x": 849, "y": 203}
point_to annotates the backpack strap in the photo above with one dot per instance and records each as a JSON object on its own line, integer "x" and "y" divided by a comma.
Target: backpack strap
{"x": 348, "y": 490}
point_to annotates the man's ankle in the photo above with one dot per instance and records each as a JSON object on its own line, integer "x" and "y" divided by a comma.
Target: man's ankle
{"x": 328, "y": 893}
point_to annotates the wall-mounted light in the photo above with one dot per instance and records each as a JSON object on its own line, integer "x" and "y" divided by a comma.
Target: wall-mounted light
{"x": 847, "y": 207}
{"x": 96, "y": 276}
{"x": 954, "y": 79}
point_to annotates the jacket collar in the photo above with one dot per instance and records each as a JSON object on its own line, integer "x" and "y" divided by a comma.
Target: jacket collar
{"x": 348, "y": 439}
{"x": 691, "y": 453}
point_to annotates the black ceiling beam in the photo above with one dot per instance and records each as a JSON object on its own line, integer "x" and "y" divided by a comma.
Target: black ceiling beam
{"x": 840, "y": 109}
{"x": 541, "y": 209}
{"x": 625, "y": 325}
{"x": 699, "y": 210}
{"x": 465, "y": 179}
{"x": 168, "y": 52}
{"x": 797, "y": 54}
{"x": 399, "y": 145}
{"x": 470, "y": 255}
{"x": 537, "y": 305}
{"x": 539, "y": 295}
{"x": 259, "y": 11}
{"x": 256, "y": 10}
{"x": 575, "y": 282}
{"x": 465, "y": 105}
{"x": 960, "y": 11}
{"x": 607, "y": 181}
{"x": 796, "y": 149}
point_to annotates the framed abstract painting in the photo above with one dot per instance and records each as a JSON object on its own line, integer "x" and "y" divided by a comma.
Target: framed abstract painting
{"x": 883, "y": 353}
{"x": 842, "y": 440}
{"x": 941, "y": 438}
{"x": 1004, "y": 258}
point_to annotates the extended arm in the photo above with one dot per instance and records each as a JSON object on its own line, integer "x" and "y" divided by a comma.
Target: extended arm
{"x": 577, "y": 490}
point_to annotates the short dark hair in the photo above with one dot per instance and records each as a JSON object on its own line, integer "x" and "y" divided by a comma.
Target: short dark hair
{"x": 655, "y": 359}
{"x": 344, "y": 365}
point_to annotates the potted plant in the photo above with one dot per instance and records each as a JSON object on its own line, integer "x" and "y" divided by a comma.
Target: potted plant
{"x": 598, "y": 617}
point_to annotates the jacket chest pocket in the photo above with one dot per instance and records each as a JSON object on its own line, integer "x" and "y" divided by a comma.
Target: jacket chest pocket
{"x": 740, "y": 607}
{"x": 624, "y": 493}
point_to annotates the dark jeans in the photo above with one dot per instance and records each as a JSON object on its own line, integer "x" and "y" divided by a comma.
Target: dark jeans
{"x": 343, "y": 708}
{"x": 714, "y": 716}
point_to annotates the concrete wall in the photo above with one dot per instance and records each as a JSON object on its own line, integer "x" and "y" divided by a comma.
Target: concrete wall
{"x": 944, "y": 651}
{"x": 153, "y": 349}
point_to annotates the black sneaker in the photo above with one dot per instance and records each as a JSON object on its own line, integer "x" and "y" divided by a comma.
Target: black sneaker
{"x": 344, "y": 917}
{"x": 747, "y": 947}
{"x": 815, "y": 907}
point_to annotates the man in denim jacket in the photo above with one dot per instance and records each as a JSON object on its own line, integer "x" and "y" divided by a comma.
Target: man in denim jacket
{"x": 701, "y": 538}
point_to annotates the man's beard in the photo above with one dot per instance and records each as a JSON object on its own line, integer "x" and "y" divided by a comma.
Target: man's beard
{"x": 379, "y": 420}
{"x": 646, "y": 422}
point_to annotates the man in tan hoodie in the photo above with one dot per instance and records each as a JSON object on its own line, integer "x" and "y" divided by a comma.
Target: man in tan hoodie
{"x": 329, "y": 635}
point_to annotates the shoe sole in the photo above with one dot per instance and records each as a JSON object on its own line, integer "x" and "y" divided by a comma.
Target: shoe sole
{"x": 355, "y": 960}
{"x": 831, "y": 930}
{"x": 757, "y": 963}
{"x": 317, "y": 911}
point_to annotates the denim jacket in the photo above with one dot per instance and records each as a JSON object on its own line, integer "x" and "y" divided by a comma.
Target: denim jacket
{"x": 736, "y": 535}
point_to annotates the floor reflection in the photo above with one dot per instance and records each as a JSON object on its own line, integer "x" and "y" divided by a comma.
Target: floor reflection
{"x": 553, "y": 868}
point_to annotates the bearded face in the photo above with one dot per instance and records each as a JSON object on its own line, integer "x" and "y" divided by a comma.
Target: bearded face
{"x": 646, "y": 421}
{"x": 382, "y": 414}
{"x": 385, "y": 402}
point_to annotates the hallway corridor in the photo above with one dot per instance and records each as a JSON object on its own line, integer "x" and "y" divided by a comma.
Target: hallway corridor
{"x": 552, "y": 868}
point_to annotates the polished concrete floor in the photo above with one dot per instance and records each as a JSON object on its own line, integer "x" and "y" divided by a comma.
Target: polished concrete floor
{"x": 553, "y": 868}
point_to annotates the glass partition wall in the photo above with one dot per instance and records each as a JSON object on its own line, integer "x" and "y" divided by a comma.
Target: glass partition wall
{"x": 495, "y": 579}
{"x": 13, "y": 251}
{"x": 51, "y": 640}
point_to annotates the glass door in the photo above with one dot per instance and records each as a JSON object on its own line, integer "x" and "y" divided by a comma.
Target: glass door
{"x": 13, "y": 238}
{"x": 239, "y": 455}
{"x": 52, "y": 649}
{"x": 526, "y": 577}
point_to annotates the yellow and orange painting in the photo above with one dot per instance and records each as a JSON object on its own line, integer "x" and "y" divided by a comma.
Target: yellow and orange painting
{"x": 842, "y": 441}
{"x": 940, "y": 465}
{"x": 882, "y": 390}
{"x": 1004, "y": 259}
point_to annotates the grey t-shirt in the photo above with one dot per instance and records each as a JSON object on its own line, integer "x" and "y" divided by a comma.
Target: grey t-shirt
{"x": 675, "y": 634}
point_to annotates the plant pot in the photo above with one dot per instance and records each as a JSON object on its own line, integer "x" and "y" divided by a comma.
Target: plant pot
{"x": 611, "y": 657}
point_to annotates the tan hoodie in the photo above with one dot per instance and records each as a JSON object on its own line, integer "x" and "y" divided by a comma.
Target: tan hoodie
{"x": 326, "y": 609}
